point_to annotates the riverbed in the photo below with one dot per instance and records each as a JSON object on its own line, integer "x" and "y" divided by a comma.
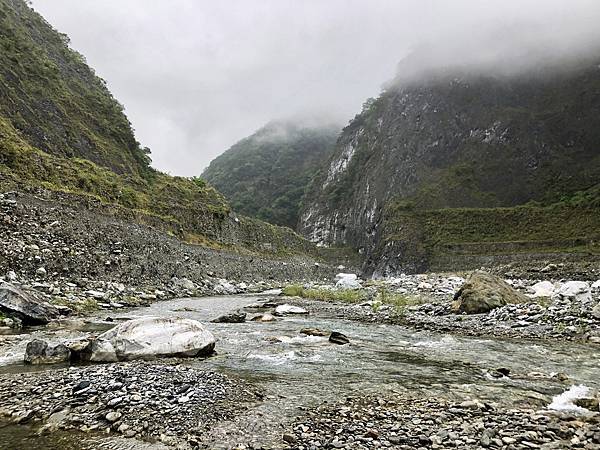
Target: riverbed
{"x": 296, "y": 371}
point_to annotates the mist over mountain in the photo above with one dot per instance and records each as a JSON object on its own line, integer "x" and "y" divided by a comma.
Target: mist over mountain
{"x": 266, "y": 174}
{"x": 197, "y": 77}
{"x": 459, "y": 138}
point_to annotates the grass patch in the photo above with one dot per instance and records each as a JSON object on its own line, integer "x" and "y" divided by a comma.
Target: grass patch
{"x": 82, "y": 306}
{"x": 293, "y": 290}
{"x": 329, "y": 295}
{"x": 335, "y": 295}
{"x": 381, "y": 297}
{"x": 399, "y": 301}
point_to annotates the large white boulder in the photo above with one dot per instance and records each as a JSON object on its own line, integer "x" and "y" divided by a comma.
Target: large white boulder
{"x": 347, "y": 281}
{"x": 542, "y": 289}
{"x": 152, "y": 337}
{"x": 578, "y": 290}
{"x": 284, "y": 310}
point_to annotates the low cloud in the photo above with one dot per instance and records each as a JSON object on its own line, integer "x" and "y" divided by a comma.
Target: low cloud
{"x": 197, "y": 76}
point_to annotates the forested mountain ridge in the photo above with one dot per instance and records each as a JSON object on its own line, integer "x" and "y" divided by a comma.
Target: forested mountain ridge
{"x": 55, "y": 101}
{"x": 266, "y": 174}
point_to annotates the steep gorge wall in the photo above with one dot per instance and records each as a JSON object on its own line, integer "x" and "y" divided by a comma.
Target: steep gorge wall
{"x": 458, "y": 142}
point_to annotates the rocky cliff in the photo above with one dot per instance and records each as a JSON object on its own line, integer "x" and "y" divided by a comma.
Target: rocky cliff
{"x": 456, "y": 140}
{"x": 265, "y": 175}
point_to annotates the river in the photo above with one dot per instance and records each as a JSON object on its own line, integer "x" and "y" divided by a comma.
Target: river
{"x": 296, "y": 370}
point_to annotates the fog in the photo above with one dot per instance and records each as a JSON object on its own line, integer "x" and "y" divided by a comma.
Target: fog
{"x": 196, "y": 76}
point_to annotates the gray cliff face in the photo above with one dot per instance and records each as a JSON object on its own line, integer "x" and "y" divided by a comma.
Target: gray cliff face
{"x": 450, "y": 142}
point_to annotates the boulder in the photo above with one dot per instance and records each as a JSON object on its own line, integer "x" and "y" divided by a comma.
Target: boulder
{"x": 264, "y": 318}
{"x": 347, "y": 281}
{"x": 575, "y": 290}
{"x": 234, "y": 317}
{"x": 25, "y": 306}
{"x": 483, "y": 292}
{"x": 39, "y": 352}
{"x": 284, "y": 310}
{"x": 338, "y": 338}
{"x": 596, "y": 311}
{"x": 542, "y": 289}
{"x": 152, "y": 337}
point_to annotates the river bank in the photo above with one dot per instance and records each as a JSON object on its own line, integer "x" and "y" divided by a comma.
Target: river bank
{"x": 550, "y": 308}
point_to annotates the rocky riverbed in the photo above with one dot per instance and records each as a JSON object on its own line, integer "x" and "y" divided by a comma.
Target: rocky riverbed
{"x": 83, "y": 256}
{"x": 167, "y": 401}
{"x": 406, "y": 422}
{"x": 281, "y": 384}
{"x": 557, "y": 309}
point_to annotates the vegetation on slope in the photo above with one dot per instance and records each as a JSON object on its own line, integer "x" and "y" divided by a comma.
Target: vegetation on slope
{"x": 55, "y": 100}
{"x": 61, "y": 130}
{"x": 266, "y": 174}
{"x": 426, "y": 238}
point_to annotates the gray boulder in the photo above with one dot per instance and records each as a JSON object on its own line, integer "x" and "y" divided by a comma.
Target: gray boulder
{"x": 596, "y": 311}
{"x": 483, "y": 292}
{"x": 234, "y": 317}
{"x": 152, "y": 337}
{"x": 338, "y": 338}
{"x": 39, "y": 352}
{"x": 25, "y": 306}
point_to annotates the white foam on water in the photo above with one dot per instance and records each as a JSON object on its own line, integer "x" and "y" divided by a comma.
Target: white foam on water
{"x": 275, "y": 359}
{"x": 564, "y": 401}
{"x": 301, "y": 339}
{"x": 446, "y": 341}
{"x": 11, "y": 358}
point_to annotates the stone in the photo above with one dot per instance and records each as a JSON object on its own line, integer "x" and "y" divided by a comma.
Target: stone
{"x": 283, "y": 310}
{"x": 152, "y": 337}
{"x": 590, "y": 403}
{"x": 314, "y": 332}
{"x": 82, "y": 386}
{"x": 24, "y": 305}
{"x": 234, "y": 317}
{"x": 264, "y": 318}
{"x": 347, "y": 281}
{"x": 113, "y": 416}
{"x": 11, "y": 276}
{"x": 578, "y": 290}
{"x": 483, "y": 292}
{"x": 289, "y": 438}
{"x": 596, "y": 311}
{"x": 41, "y": 272}
{"x": 542, "y": 289}
{"x": 338, "y": 338}
{"x": 39, "y": 352}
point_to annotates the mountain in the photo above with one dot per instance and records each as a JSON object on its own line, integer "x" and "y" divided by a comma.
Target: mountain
{"x": 452, "y": 139}
{"x": 265, "y": 175}
{"x": 62, "y": 132}
{"x": 55, "y": 101}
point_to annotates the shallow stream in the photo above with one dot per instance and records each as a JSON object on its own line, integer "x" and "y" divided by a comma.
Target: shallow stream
{"x": 296, "y": 370}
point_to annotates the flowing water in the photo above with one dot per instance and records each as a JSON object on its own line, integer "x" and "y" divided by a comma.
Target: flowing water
{"x": 296, "y": 370}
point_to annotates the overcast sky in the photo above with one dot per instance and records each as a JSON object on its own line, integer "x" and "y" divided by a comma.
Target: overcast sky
{"x": 196, "y": 76}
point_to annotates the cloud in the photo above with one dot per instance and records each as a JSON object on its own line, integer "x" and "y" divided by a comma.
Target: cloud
{"x": 196, "y": 76}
